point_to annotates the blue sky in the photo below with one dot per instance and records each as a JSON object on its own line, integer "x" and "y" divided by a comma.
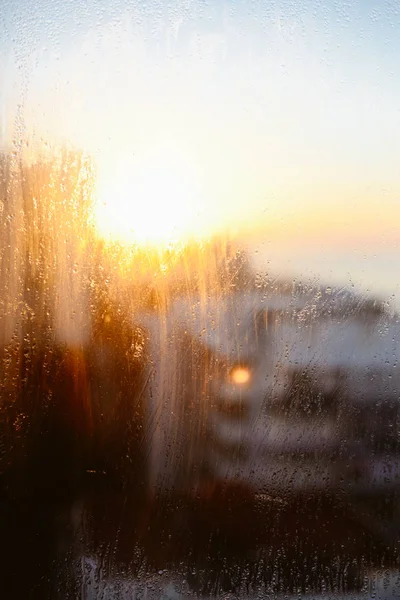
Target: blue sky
{"x": 340, "y": 59}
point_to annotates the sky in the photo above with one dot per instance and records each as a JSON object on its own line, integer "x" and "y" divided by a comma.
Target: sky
{"x": 285, "y": 115}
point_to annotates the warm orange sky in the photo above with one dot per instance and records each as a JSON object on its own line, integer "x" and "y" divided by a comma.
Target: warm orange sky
{"x": 274, "y": 118}
{"x": 250, "y": 117}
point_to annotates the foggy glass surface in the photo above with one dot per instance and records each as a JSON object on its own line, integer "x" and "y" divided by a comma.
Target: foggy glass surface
{"x": 199, "y": 296}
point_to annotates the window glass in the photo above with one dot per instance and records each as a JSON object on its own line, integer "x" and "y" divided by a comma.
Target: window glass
{"x": 199, "y": 299}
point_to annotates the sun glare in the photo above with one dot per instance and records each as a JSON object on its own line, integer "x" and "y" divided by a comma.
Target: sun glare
{"x": 155, "y": 200}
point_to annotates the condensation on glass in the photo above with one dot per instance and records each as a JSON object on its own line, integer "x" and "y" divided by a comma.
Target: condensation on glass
{"x": 199, "y": 331}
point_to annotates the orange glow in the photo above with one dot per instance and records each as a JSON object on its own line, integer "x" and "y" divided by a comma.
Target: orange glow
{"x": 240, "y": 375}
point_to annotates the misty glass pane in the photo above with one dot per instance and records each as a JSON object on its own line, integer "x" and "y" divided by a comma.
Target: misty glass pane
{"x": 199, "y": 299}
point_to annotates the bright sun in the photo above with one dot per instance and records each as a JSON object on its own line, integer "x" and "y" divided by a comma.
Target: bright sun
{"x": 154, "y": 200}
